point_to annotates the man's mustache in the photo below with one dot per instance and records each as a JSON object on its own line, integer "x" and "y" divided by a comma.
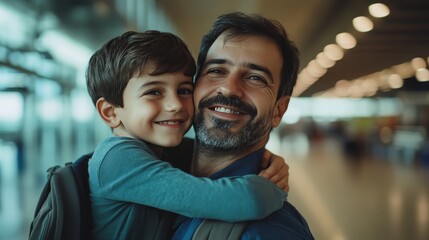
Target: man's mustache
{"x": 228, "y": 101}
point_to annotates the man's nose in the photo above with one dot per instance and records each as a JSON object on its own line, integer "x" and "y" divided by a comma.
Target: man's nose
{"x": 173, "y": 104}
{"x": 231, "y": 86}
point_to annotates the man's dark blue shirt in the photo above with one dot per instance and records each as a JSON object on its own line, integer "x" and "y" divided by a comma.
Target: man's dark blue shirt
{"x": 285, "y": 223}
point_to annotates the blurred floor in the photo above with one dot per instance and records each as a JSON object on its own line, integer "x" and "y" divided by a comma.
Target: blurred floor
{"x": 346, "y": 198}
{"x": 341, "y": 198}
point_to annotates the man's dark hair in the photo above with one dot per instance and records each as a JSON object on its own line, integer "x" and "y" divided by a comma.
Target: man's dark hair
{"x": 238, "y": 24}
{"x": 129, "y": 55}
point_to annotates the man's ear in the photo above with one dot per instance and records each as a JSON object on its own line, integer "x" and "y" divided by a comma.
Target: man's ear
{"x": 107, "y": 112}
{"x": 279, "y": 110}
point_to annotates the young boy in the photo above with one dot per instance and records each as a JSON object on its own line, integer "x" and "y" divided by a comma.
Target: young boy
{"x": 141, "y": 85}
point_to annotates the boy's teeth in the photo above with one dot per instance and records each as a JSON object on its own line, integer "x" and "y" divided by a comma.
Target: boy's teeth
{"x": 169, "y": 122}
{"x": 226, "y": 110}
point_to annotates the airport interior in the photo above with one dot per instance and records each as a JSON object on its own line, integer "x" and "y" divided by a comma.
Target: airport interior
{"x": 355, "y": 134}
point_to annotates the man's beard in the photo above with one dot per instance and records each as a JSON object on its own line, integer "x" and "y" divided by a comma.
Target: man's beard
{"x": 219, "y": 137}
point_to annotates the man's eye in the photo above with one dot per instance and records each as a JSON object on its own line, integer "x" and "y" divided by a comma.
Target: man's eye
{"x": 256, "y": 79}
{"x": 214, "y": 71}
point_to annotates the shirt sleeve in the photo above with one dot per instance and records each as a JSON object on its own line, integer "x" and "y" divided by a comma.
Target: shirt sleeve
{"x": 130, "y": 173}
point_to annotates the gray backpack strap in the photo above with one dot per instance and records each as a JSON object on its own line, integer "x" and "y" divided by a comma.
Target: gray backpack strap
{"x": 216, "y": 230}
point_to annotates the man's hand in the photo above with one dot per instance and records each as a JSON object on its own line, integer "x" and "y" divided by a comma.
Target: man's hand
{"x": 275, "y": 169}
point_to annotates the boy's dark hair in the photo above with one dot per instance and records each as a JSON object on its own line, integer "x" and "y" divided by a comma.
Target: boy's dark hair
{"x": 126, "y": 56}
{"x": 237, "y": 24}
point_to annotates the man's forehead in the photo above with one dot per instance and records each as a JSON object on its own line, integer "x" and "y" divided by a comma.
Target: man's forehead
{"x": 227, "y": 39}
{"x": 247, "y": 49}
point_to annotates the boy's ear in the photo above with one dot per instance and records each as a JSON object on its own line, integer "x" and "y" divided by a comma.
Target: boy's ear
{"x": 279, "y": 110}
{"x": 107, "y": 112}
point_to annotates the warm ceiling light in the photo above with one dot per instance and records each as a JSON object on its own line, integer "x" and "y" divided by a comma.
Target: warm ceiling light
{"x": 395, "y": 81}
{"x": 378, "y": 10}
{"x": 342, "y": 92}
{"x": 370, "y": 87}
{"x": 405, "y": 70}
{"x": 355, "y": 91}
{"x": 342, "y": 88}
{"x": 324, "y": 61}
{"x": 315, "y": 69}
{"x": 306, "y": 78}
{"x": 422, "y": 75}
{"x": 418, "y": 63}
{"x": 345, "y": 40}
{"x": 333, "y": 52}
{"x": 363, "y": 24}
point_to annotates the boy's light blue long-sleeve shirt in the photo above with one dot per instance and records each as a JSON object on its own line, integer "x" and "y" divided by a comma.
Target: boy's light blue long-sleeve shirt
{"x": 129, "y": 185}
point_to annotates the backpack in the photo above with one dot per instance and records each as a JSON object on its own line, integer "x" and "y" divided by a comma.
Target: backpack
{"x": 63, "y": 210}
{"x": 215, "y": 230}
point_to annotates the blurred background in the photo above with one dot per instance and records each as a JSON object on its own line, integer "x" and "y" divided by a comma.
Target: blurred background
{"x": 355, "y": 134}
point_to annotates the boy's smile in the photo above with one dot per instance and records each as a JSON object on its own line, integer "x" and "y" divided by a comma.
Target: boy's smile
{"x": 171, "y": 123}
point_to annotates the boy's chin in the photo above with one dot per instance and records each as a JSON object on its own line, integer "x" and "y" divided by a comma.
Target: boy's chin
{"x": 173, "y": 142}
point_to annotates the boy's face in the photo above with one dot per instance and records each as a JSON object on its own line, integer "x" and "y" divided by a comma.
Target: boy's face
{"x": 157, "y": 109}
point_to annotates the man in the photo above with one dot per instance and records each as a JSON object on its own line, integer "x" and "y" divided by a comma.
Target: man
{"x": 247, "y": 68}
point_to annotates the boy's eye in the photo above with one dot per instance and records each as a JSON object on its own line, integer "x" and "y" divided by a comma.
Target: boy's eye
{"x": 185, "y": 91}
{"x": 153, "y": 92}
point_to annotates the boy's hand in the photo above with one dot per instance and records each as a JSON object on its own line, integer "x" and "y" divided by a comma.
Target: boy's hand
{"x": 275, "y": 169}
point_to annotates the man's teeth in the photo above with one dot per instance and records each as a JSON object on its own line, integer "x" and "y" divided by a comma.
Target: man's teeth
{"x": 226, "y": 110}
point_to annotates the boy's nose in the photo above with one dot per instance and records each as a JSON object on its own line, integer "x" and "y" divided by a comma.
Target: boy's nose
{"x": 173, "y": 104}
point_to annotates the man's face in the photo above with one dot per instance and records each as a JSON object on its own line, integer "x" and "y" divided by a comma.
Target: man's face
{"x": 235, "y": 95}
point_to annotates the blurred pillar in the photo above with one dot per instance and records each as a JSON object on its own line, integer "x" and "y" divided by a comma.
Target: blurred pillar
{"x": 30, "y": 128}
{"x": 65, "y": 131}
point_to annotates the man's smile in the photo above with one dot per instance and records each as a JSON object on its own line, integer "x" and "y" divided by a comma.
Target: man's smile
{"x": 226, "y": 105}
{"x": 225, "y": 110}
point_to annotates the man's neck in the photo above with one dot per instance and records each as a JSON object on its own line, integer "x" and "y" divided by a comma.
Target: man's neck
{"x": 207, "y": 162}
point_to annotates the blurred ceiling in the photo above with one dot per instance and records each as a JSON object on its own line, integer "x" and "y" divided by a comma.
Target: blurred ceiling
{"x": 312, "y": 24}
